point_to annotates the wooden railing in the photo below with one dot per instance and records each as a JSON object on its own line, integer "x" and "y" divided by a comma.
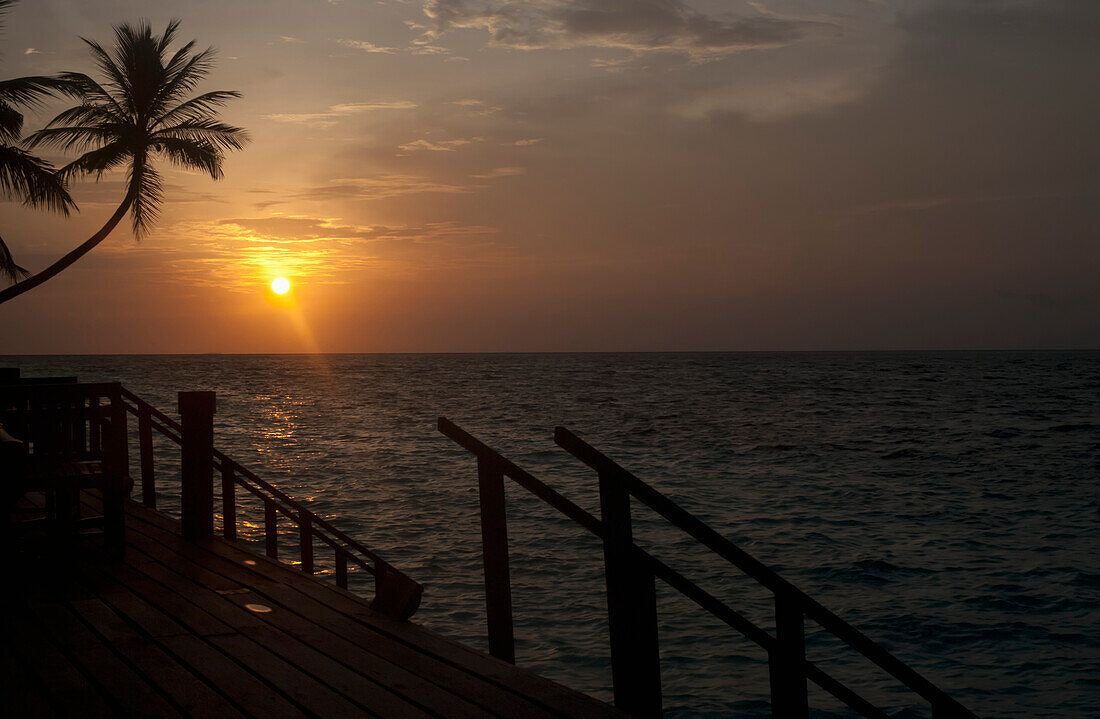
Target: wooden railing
{"x": 631, "y": 591}
{"x": 395, "y": 594}
{"x": 70, "y": 437}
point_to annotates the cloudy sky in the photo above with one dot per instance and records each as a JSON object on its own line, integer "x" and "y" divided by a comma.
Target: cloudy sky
{"x": 489, "y": 175}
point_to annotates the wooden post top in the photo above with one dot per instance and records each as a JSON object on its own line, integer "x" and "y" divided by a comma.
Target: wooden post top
{"x": 197, "y": 403}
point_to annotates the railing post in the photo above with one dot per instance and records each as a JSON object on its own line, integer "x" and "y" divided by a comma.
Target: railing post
{"x": 197, "y": 464}
{"x": 305, "y": 539}
{"x": 114, "y": 517}
{"x": 145, "y": 448}
{"x": 395, "y": 595}
{"x": 229, "y": 502}
{"x": 494, "y": 549}
{"x": 92, "y": 438}
{"x": 787, "y": 661}
{"x": 341, "y": 568}
{"x": 124, "y": 440}
{"x": 631, "y": 608}
{"x": 271, "y": 529}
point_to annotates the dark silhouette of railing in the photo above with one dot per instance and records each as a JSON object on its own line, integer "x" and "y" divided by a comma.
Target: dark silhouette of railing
{"x": 395, "y": 594}
{"x": 631, "y": 591}
{"x": 68, "y": 437}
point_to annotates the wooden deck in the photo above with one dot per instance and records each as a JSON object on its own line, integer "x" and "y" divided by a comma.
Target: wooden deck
{"x": 213, "y": 630}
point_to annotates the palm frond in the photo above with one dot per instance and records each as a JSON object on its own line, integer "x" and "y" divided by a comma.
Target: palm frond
{"x": 34, "y": 180}
{"x": 86, "y": 114}
{"x": 98, "y": 161}
{"x": 147, "y": 191}
{"x": 169, "y": 35}
{"x": 216, "y": 133}
{"x": 137, "y": 51}
{"x": 116, "y": 77}
{"x": 179, "y": 59}
{"x": 8, "y": 268}
{"x": 82, "y": 87}
{"x": 192, "y": 154}
{"x": 76, "y": 137}
{"x": 29, "y": 91}
{"x": 197, "y": 108}
{"x": 186, "y": 76}
{"x": 25, "y": 93}
{"x": 11, "y": 123}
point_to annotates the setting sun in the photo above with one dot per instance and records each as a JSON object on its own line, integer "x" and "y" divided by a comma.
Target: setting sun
{"x": 280, "y": 285}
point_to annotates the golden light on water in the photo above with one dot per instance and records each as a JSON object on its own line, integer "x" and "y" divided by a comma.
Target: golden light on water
{"x": 280, "y": 285}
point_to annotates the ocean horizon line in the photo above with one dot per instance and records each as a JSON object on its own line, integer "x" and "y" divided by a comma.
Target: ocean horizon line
{"x": 499, "y": 353}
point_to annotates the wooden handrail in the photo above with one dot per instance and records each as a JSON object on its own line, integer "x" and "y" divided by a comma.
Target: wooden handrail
{"x": 787, "y": 657}
{"x": 395, "y": 593}
{"x": 702, "y": 533}
{"x": 285, "y": 504}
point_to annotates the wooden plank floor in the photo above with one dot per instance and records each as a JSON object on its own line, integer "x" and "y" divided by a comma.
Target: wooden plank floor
{"x": 171, "y": 631}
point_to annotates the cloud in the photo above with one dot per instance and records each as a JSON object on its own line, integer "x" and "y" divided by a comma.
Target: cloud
{"x": 526, "y": 142}
{"x": 297, "y": 229}
{"x": 612, "y": 64}
{"x": 432, "y": 233}
{"x": 328, "y": 118}
{"x": 501, "y": 172}
{"x": 282, "y": 229}
{"x": 478, "y": 108}
{"x": 772, "y": 100}
{"x": 32, "y": 51}
{"x": 421, "y": 46}
{"x": 368, "y": 47}
{"x": 379, "y": 187}
{"x": 428, "y": 49}
{"x": 291, "y": 40}
{"x": 240, "y": 253}
{"x": 438, "y": 146}
{"x": 319, "y": 118}
{"x": 349, "y": 107}
{"x": 635, "y": 25}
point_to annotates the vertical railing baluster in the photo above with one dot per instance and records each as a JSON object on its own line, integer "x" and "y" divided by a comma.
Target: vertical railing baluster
{"x": 88, "y": 437}
{"x": 305, "y": 539}
{"x": 271, "y": 529}
{"x": 494, "y": 549}
{"x": 145, "y": 448}
{"x": 229, "y": 501}
{"x": 114, "y": 440}
{"x": 786, "y": 663}
{"x": 631, "y": 608}
{"x": 122, "y": 421}
{"x": 341, "y": 568}
{"x": 197, "y": 465}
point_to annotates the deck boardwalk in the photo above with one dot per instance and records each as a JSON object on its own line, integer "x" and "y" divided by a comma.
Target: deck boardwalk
{"x": 171, "y": 631}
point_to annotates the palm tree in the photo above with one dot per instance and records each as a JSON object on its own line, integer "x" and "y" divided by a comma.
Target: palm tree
{"x": 135, "y": 115}
{"x": 22, "y": 175}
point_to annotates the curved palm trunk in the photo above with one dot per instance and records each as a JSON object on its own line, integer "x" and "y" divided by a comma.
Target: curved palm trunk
{"x": 35, "y": 280}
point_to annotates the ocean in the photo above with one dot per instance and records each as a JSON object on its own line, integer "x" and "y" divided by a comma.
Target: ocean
{"x": 946, "y": 504}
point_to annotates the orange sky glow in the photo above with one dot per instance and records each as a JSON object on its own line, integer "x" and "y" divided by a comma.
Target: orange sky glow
{"x": 438, "y": 176}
